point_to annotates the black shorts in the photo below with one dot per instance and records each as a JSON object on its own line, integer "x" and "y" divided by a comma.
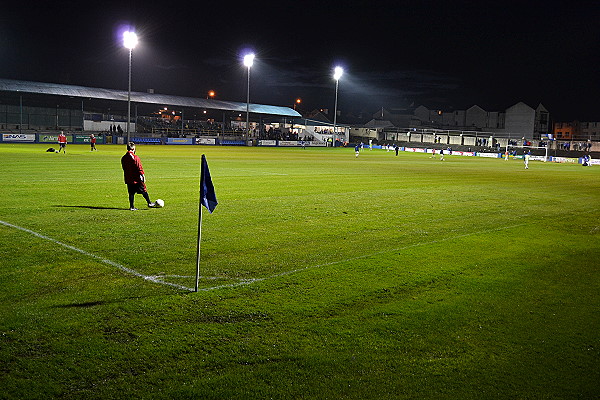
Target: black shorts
{"x": 138, "y": 188}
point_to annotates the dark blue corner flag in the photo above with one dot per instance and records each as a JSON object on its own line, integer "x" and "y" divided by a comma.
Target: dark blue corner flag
{"x": 207, "y": 190}
{"x": 208, "y": 199}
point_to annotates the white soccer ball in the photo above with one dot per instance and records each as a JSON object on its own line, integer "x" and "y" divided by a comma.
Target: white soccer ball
{"x": 159, "y": 203}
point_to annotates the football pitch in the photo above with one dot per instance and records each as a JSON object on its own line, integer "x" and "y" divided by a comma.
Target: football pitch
{"x": 322, "y": 276}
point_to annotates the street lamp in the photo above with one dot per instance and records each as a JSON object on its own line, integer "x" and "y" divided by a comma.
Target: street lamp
{"x": 211, "y": 94}
{"x": 337, "y": 74}
{"x": 129, "y": 41}
{"x": 298, "y": 101}
{"x": 248, "y": 61}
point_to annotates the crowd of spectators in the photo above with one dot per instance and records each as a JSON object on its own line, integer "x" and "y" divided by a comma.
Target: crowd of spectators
{"x": 115, "y": 129}
{"x": 271, "y": 133}
{"x": 578, "y": 146}
{"x": 481, "y": 142}
{"x": 167, "y": 127}
{"x": 174, "y": 128}
{"x": 323, "y": 130}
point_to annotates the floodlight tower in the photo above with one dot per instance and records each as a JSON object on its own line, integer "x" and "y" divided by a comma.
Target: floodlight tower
{"x": 130, "y": 40}
{"x": 337, "y": 74}
{"x": 248, "y": 61}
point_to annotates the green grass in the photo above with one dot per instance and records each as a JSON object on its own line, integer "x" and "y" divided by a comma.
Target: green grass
{"x": 323, "y": 276}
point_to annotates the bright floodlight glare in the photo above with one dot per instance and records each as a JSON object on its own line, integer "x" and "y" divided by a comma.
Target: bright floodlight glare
{"x": 248, "y": 60}
{"x": 130, "y": 39}
{"x": 338, "y": 73}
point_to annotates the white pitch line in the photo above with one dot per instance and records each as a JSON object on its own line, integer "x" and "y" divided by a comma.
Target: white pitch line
{"x": 249, "y": 281}
{"x": 386, "y": 251}
{"x": 231, "y": 285}
{"x": 154, "y": 279}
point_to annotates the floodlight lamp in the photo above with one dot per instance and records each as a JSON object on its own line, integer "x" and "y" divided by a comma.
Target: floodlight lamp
{"x": 249, "y": 60}
{"x": 337, "y": 73}
{"x": 130, "y": 39}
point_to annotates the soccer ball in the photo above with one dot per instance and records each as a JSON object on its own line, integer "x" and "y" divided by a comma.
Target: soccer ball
{"x": 159, "y": 203}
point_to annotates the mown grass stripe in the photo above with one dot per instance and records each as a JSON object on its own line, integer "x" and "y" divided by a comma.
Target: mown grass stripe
{"x": 101, "y": 259}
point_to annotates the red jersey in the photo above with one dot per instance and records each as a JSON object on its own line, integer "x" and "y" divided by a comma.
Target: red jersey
{"x": 62, "y": 138}
{"x": 93, "y": 139}
{"x": 132, "y": 168}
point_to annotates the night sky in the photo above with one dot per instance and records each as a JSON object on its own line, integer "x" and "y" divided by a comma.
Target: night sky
{"x": 448, "y": 55}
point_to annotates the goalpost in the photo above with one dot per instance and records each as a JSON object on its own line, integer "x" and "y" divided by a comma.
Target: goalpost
{"x": 545, "y": 148}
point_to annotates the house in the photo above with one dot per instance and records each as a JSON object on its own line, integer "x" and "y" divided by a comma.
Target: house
{"x": 576, "y": 130}
{"x": 517, "y": 120}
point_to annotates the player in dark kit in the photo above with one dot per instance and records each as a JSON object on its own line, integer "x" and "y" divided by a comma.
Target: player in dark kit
{"x": 134, "y": 176}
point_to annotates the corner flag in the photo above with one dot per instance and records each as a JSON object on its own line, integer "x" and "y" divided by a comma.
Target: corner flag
{"x": 208, "y": 199}
{"x": 207, "y": 190}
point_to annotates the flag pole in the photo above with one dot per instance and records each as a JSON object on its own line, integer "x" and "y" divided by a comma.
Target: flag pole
{"x": 199, "y": 229}
{"x": 208, "y": 199}
{"x": 198, "y": 255}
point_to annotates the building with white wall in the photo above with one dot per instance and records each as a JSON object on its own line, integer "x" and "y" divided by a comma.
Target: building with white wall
{"x": 517, "y": 120}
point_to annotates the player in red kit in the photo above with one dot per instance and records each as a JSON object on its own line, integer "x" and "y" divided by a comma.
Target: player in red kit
{"x": 134, "y": 176}
{"x": 62, "y": 142}
{"x": 93, "y": 142}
